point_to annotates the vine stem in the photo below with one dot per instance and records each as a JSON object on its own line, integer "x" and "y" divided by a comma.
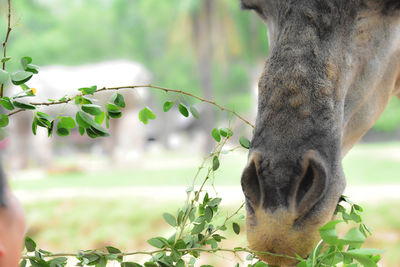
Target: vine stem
{"x": 217, "y": 152}
{"x": 185, "y": 251}
{"x": 5, "y": 43}
{"x": 167, "y": 90}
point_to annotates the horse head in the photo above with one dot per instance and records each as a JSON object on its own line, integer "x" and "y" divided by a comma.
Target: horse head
{"x": 332, "y": 68}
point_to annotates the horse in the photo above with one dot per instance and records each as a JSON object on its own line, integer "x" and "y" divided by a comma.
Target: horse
{"x": 332, "y": 68}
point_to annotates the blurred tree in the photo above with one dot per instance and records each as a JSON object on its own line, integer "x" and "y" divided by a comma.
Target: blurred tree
{"x": 175, "y": 39}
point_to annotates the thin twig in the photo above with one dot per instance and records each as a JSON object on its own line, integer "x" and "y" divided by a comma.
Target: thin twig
{"x": 185, "y": 250}
{"x": 15, "y": 112}
{"x": 167, "y": 90}
{"x": 5, "y": 43}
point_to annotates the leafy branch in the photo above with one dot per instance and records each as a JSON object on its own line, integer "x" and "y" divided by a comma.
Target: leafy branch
{"x": 167, "y": 90}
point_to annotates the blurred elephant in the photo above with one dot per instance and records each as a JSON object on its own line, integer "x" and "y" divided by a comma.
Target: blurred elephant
{"x": 54, "y": 82}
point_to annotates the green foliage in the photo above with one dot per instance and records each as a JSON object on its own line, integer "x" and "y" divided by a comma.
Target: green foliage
{"x": 183, "y": 110}
{"x": 346, "y": 250}
{"x": 6, "y": 103}
{"x": 216, "y": 135}
{"x": 3, "y": 120}
{"x": 167, "y": 106}
{"x": 118, "y": 100}
{"x": 244, "y": 142}
{"x": 146, "y": 114}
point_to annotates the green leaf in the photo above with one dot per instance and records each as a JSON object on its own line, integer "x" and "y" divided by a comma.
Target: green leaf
{"x": 244, "y": 142}
{"x": 58, "y": 262}
{"x": 84, "y": 120}
{"x": 225, "y": 132}
{"x": 67, "y": 122}
{"x": 5, "y": 59}
{"x": 180, "y": 263}
{"x": 107, "y": 121}
{"x": 113, "y": 250}
{"x": 198, "y": 228}
{"x": 25, "y": 61}
{"x": 6, "y": 103}
{"x": 113, "y": 111}
{"x": 99, "y": 118}
{"x": 130, "y": 264}
{"x": 180, "y": 244}
{"x": 3, "y": 120}
{"x": 27, "y": 90}
{"x": 88, "y": 90}
{"x": 112, "y": 108}
{"x": 236, "y": 228}
{"x": 27, "y": 66}
{"x": 30, "y": 244}
{"x": 32, "y": 68}
{"x": 20, "y": 77}
{"x": 364, "y": 260}
{"x": 22, "y": 263}
{"x": 23, "y": 105}
{"x": 79, "y": 100}
{"x": 92, "y": 109}
{"x": 167, "y": 106}
{"x": 219, "y": 238}
{"x": 170, "y": 219}
{"x": 98, "y": 130}
{"x": 81, "y": 131}
{"x": 194, "y": 112}
{"x": 4, "y": 76}
{"x": 157, "y": 242}
{"x": 208, "y": 214}
{"x": 328, "y": 232}
{"x": 215, "y": 133}
{"x": 146, "y": 114}
{"x": 260, "y": 264}
{"x": 34, "y": 125}
{"x": 353, "y": 236}
{"x": 215, "y": 163}
{"x": 183, "y": 110}
{"x": 118, "y": 100}
{"x": 366, "y": 251}
{"x": 62, "y": 132}
{"x": 50, "y": 129}
{"x": 150, "y": 264}
{"x": 214, "y": 202}
{"x": 114, "y": 115}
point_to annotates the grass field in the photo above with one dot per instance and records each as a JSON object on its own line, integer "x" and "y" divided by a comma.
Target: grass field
{"x": 87, "y": 223}
{"x": 365, "y": 164}
{"x": 69, "y": 225}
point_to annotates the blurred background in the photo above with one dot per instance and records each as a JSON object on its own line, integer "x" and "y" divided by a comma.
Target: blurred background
{"x": 84, "y": 194}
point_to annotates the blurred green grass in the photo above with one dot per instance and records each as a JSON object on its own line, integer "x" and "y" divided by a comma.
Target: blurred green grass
{"x": 126, "y": 223}
{"x": 365, "y": 164}
{"x": 73, "y": 224}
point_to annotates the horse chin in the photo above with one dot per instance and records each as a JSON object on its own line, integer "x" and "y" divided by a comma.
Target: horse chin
{"x": 280, "y": 233}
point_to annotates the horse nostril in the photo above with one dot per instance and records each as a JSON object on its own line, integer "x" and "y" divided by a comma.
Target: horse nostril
{"x": 312, "y": 184}
{"x": 305, "y": 184}
{"x": 251, "y": 185}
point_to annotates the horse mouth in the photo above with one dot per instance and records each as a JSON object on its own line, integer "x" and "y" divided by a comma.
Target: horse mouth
{"x": 281, "y": 237}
